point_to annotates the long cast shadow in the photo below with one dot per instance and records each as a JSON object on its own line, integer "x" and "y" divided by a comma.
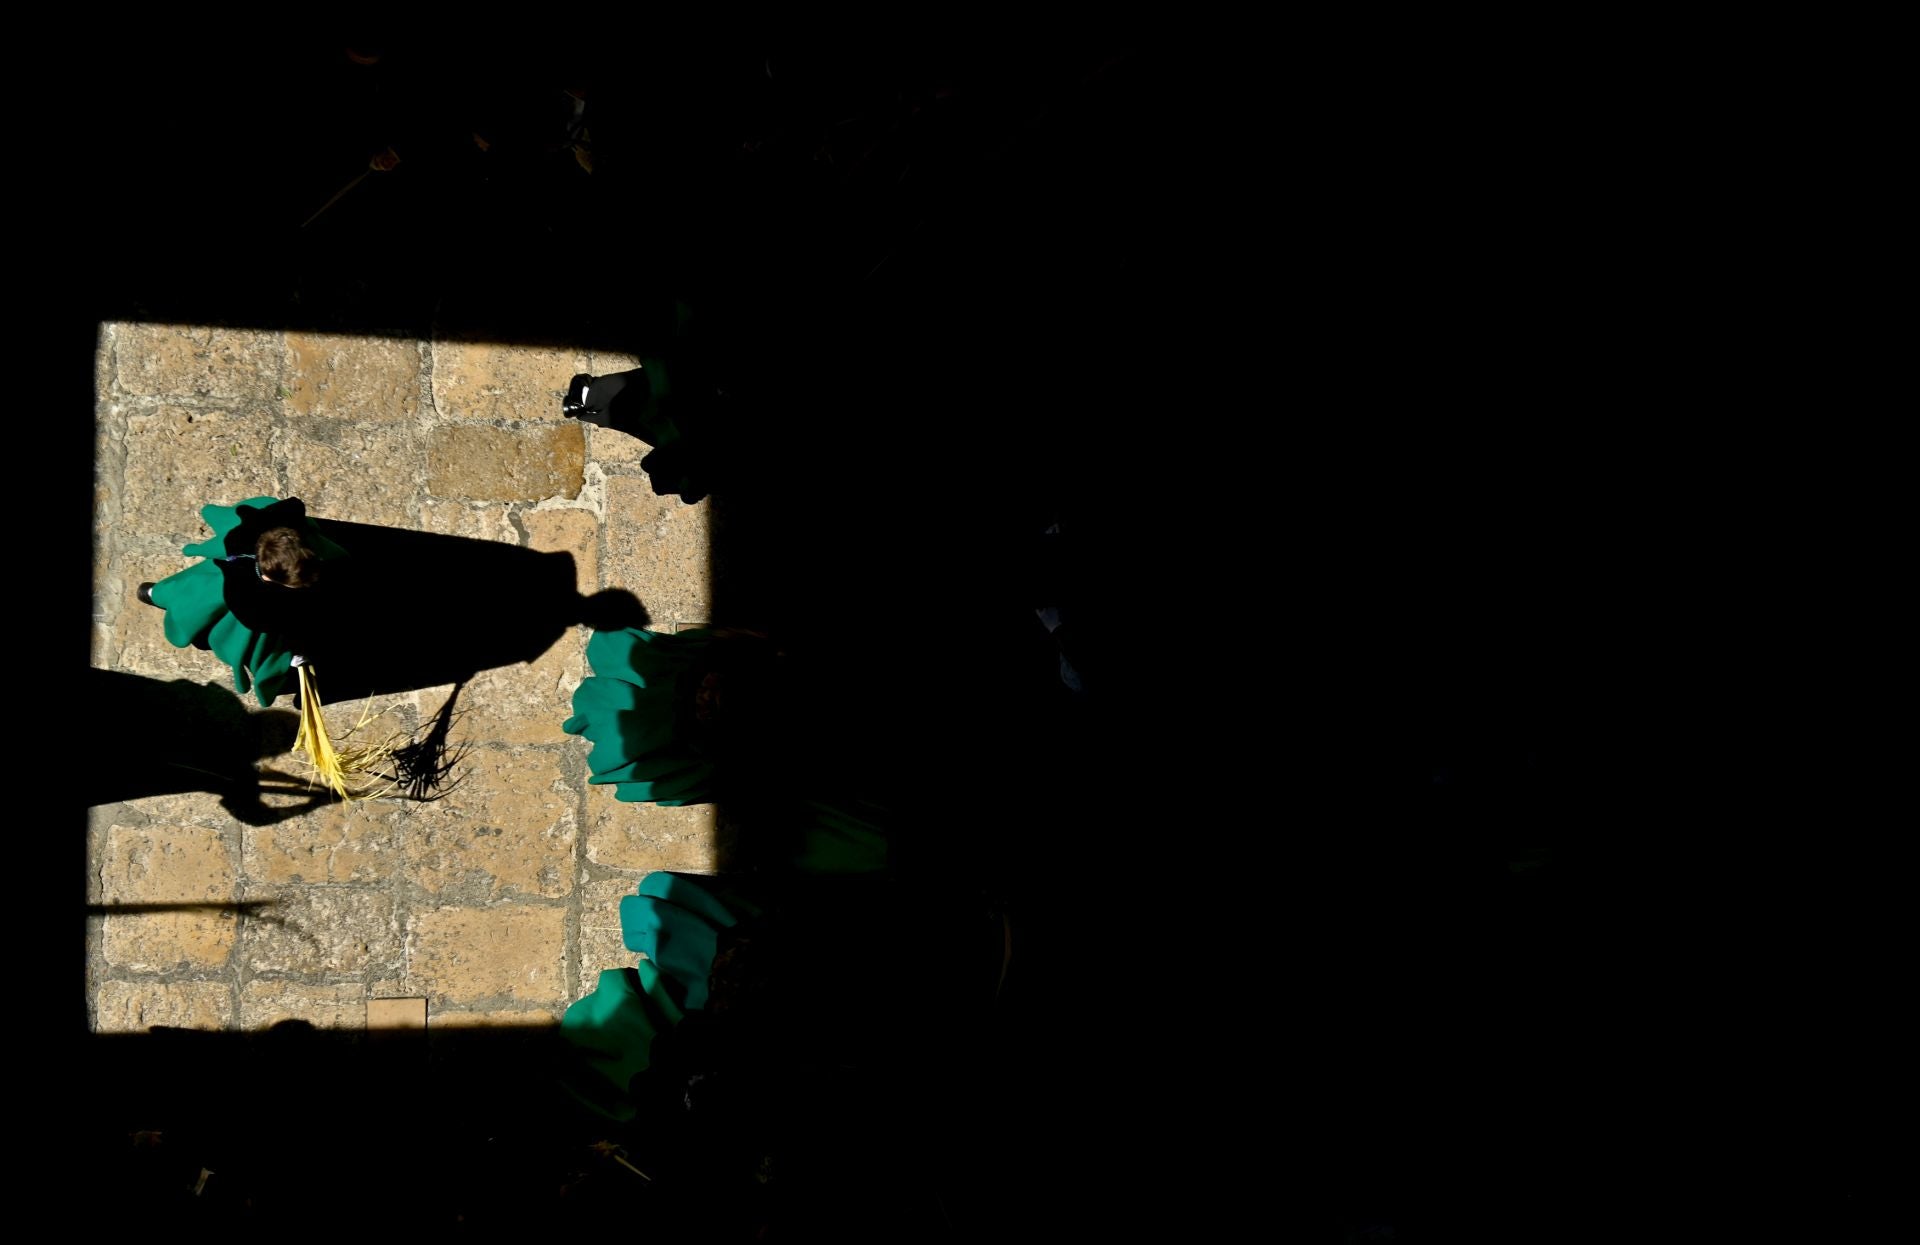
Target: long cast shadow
{"x": 423, "y": 610}
{"x": 187, "y": 736}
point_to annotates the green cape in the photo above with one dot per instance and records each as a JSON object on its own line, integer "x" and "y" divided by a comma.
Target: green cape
{"x": 195, "y": 601}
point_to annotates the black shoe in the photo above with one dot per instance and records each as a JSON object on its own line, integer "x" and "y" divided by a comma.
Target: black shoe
{"x": 576, "y": 394}
{"x": 591, "y": 399}
{"x": 577, "y": 405}
{"x": 145, "y": 593}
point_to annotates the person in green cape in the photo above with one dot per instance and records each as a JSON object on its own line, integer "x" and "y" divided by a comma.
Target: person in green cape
{"x": 715, "y": 714}
{"x": 667, "y": 712}
{"x": 258, "y": 597}
{"x": 260, "y": 600}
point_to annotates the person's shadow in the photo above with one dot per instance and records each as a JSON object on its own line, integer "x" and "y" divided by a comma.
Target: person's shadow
{"x": 186, "y": 736}
{"x": 420, "y": 610}
{"x": 414, "y": 610}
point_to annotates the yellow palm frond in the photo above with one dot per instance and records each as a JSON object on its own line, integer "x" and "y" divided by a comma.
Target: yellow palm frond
{"x": 348, "y": 772}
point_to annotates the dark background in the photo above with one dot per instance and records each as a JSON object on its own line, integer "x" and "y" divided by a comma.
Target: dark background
{"x": 1356, "y": 887}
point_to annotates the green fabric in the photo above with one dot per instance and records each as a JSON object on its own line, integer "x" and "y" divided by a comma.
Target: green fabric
{"x": 834, "y": 838}
{"x": 636, "y": 710}
{"x": 196, "y": 606}
{"x": 611, "y": 1031}
{"x": 675, "y": 920}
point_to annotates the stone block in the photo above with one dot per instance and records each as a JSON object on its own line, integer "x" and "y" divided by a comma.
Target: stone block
{"x": 475, "y": 521}
{"x": 536, "y": 1018}
{"x": 353, "y": 472}
{"x": 137, "y": 1006}
{"x": 195, "y": 361}
{"x": 323, "y": 931}
{"x": 483, "y": 464}
{"x": 657, "y": 548}
{"x": 489, "y": 959}
{"x": 600, "y": 942}
{"x": 640, "y": 838}
{"x": 620, "y": 451}
{"x": 511, "y": 830}
{"x": 526, "y": 703}
{"x": 264, "y": 1003}
{"x": 344, "y": 377}
{"x": 178, "y": 460}
{"x": 400, "y": 1014}
{"x": 334, "y": 841}
{"x": 607, "y": 362}
{"x": 493, "y": 380}
{"x": 174, "y": 886}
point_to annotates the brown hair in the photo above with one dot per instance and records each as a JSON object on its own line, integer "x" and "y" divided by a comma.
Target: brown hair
{"x": 284, "y": 558}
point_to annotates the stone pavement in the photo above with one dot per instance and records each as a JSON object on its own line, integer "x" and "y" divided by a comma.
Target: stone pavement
{"x": 934, "y": 284}
{"x": 494, "y": 904}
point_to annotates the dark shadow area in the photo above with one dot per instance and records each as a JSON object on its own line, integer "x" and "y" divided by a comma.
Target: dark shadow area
{"x": 1352, "y": 884}
{"x": 956, "y": 297}
{"x": 826, "y": 1097}
{"x": 422, "y": 609}
{"x": 927, "y": 279}
{"x": 186, "y": 736}
{"x": 246, "y": 911}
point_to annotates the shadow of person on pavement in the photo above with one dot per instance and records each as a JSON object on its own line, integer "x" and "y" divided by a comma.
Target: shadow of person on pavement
{"x": 206, "y": 740}
{"x": 423, "y": 610}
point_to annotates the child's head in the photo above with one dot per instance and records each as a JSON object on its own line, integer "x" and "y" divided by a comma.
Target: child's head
{"x": 283, "y": 558}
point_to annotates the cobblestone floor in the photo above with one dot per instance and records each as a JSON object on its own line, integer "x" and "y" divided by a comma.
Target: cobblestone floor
{"x": 495, "y": 903}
